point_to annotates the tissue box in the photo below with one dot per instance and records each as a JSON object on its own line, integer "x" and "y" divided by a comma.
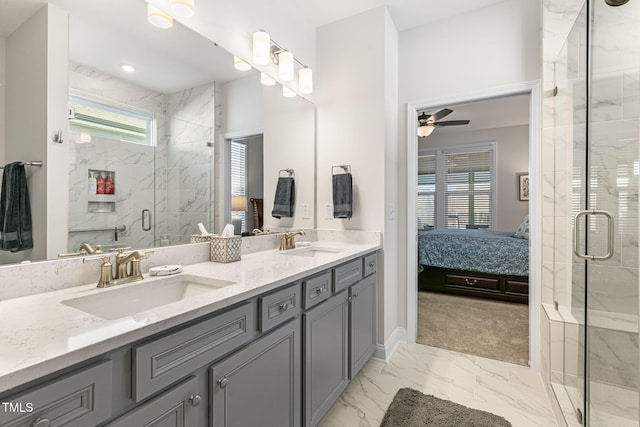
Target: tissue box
{"x": 197, "y": 238}
{"x": 225, "y": 249}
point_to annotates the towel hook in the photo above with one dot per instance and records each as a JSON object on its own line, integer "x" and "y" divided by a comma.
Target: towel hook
{"x": 290, "y": 171}
{"x": 345, "y": 168}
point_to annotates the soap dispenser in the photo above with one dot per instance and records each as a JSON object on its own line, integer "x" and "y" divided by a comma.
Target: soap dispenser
{"x": 93, "y": 183}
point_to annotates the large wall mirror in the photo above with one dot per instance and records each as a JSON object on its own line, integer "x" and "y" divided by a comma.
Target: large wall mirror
{"x": 178, "y": 139}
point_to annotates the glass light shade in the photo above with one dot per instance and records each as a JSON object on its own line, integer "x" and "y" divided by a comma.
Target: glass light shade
{"x": 425, "y": 130}
{"x": 85, "y": 138}
{"x": 182, "y": 8}
{"x": 288, "y": 93}
{"x": 128, "y": 68}
{"x": 239, "y": 203}
{"x": 285, "y": 66}
{"x": 158, "y": 18}
{"x": 266, "y": 80}
{"x": 261, "y": 48}
{"x": 241, "y": 65}
{"x": 305, "y": 80}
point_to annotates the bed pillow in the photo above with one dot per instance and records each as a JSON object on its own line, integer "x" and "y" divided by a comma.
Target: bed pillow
{"x": 522, "y": 232}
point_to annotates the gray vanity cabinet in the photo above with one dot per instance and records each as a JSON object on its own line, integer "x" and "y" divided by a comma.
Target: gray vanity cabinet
{"x": 259, "y": 385}
{"x": 362, "y": 325}
{"x": 326, "y": 356}
{"x": 173, "y": 408}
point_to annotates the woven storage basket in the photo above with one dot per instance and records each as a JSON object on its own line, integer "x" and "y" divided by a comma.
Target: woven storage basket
{"x": 225, "y": 249}
{"x": 197, "y": 238}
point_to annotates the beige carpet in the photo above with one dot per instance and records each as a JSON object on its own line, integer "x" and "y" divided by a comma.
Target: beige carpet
{"x": 493, "y": 329}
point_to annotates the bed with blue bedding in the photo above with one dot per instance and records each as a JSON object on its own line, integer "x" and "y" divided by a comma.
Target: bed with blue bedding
{"x": 483, "y": 263}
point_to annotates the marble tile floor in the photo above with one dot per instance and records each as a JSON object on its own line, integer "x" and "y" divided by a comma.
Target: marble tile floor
{"x": 512, "y": 391}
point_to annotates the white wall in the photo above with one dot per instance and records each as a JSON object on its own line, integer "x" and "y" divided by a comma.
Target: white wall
{"x": 241, "y": 102}
{"x": 512, "y": 149}
{"x": 289, "y": 143}
{"x": 357, "y": 110}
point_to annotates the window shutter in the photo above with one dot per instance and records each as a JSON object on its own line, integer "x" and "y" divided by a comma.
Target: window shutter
{"x": 239, "y": 175}
{"x": 426, "y": 202}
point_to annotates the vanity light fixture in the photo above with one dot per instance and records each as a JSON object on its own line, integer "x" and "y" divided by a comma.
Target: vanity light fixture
{"x": 266, "y": 80}
{"x": 305, "y": 80}
{"x": 241, "y": 65}
{"x": 285, "y": 66}
{"x": 158, "y": 18}
{"x": 182, "y": 8}
{"x": 288, "y": 93}
{"x": 128, "y": 68}
{"x": 261, "y": 47}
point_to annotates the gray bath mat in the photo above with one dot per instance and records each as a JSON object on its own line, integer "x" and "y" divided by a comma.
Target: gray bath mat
{"x": 410, "y": 408}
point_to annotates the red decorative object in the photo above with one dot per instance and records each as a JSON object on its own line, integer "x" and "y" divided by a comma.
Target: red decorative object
{"x": 101, "y": 184}
{"x": 109, "y": 184}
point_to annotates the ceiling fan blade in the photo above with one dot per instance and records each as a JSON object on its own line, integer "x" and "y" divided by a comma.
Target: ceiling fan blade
{"x": 441, "y": 114}
{"x": 452, "y": 123}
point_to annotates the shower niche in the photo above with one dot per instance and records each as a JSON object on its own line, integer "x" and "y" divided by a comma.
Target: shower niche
{"x": 101, "y": 191}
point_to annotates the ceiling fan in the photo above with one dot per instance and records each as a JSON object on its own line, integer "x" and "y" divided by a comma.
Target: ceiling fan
{"x": 427, "y": 123}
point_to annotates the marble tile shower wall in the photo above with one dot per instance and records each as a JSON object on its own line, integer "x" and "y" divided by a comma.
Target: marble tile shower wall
{"x": 191, "y": 121}
{"x": 133, "y": 165}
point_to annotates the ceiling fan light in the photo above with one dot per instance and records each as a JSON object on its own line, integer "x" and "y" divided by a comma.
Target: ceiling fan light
{"x": 285, "y": 66}
{"x": 158, "y": 18}
{"x": 425, "y": 130}
{"x": 241, "y": 65}
{"x": 266, "y": 80}
{"x": 182, "y": 8}
{"x": 305, "y": 80}
{"x": 261, "y": 48}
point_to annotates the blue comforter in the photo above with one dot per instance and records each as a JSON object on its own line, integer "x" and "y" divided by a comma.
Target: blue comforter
{"x": 484, "y": 251}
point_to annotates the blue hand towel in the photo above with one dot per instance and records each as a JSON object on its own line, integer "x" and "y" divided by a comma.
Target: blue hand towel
{"x": 342, "y": 196}
{"x": 284, "y": 202}
{"x": 15, "y": 210}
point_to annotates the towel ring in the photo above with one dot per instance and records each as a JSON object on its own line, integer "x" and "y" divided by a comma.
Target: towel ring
{"x": 345, "y": 168}
{"x": 291, "y": 172}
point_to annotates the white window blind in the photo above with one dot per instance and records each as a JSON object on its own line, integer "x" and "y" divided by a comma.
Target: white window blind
{"x": 239, "y": 175}
{"x": 469, "y": 189}
{"x": 426, "y": 203}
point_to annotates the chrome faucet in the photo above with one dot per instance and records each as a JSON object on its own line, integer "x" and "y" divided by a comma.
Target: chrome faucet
{"x": 123, "y": 273}
{"x": 287, "y": 240}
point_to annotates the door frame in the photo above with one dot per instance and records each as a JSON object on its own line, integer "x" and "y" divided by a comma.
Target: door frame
{"x": 535, "y": 201}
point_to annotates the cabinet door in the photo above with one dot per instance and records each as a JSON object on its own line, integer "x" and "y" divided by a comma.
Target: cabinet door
{"x": 362, "y": 326}
{"x": 260, "y": 385}
{"x": 173, "y": 408}
{"x": 326, "y": 361}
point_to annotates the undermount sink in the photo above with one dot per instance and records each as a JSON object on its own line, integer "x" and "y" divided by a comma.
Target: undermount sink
{"x": 313, "y": 251}
{"x": 116, "y": 303}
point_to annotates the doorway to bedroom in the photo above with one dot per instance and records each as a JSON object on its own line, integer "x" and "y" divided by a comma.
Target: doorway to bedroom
{"x": 472, "y": 212}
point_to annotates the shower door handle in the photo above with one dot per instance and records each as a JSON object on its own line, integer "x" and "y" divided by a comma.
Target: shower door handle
{"x": 576, "y": 234}
{"x": 146, "y": 219}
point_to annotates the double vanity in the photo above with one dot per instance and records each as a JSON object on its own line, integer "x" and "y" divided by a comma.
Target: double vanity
{"x": 270, "y": 340}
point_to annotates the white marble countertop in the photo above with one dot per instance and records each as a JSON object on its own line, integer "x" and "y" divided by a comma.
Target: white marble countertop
{"x": 39, "y": 335}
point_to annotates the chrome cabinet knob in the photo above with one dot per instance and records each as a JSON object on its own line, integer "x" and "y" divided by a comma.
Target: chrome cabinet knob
{"x": 41, "y": 422}
{"x": 371, "y": 265}
{"x": 222, "y": 382}
{"x": 320, "y": 291}
{"x": 284, "y": 307}
{"x": 195, "y": 400}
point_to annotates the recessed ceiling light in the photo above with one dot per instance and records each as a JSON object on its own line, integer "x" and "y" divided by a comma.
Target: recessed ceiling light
{"x": 128, "y": 68}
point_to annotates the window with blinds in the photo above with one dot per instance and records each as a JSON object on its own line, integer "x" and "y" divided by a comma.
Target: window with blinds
{"x": 106, "y": 121}
{"x": 456, "y": 188}
{"x": 239, "y": 176}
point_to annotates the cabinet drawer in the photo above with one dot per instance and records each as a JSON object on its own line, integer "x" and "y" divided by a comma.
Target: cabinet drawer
{"x": 346, "y": 275}
{"x": 279, "y": 307}
{"x": 78, "y": 399}
{"x": 473, "y": 282}
{"x": 175, "y": 407}
{"x": 165, "y": 360}
{"x": 369, "y": 264}
{"x": 516, "y": 287}
{"x": 316, "y": 289}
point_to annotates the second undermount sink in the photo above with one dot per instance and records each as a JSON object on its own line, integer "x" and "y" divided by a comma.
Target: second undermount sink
{"x": 116, "y": 303}
{"x": 313, "y": 251}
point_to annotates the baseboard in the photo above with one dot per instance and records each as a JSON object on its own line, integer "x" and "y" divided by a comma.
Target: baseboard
{"x": 385, "y": 352}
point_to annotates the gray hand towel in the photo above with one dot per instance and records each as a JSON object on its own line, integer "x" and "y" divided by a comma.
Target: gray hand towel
{"x": 342, "y": 196}
{"x": 284, "y": 201}
{"x": 15, "y": 210}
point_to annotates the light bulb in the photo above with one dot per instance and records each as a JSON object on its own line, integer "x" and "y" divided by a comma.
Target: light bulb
{"x": 158, "y": 18}
{"x": 261, "y": 48}
{"x": 305, "y": 80}
{"x": 425, "y": 130}
{"x": 266, "y": 80}
{"x": 285, "y": 66}
{"x": 288, "y": 93}
{"x": 182, "y": 8}
{"x": 241, "y": 65}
